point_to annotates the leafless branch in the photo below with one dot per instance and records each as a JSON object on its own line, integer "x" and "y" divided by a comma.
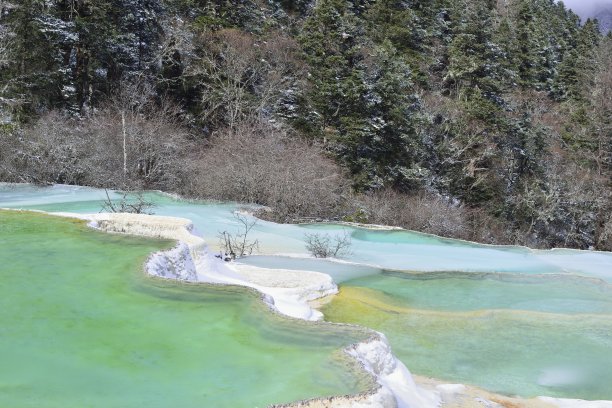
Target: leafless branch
{"x": 136, "y": 204}
{"x": 238, "y": 244}
{"x": 326, "y": 245}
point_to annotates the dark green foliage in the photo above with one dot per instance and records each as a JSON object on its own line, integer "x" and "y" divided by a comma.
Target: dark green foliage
{"x": 364, "y": 98}
{"x": 474, "y": 59}
{"x": 397, "y": 22}
{"x": 68, "y": 52}
{"x": 483, "y": 103}
{"x": 576, "y": 68}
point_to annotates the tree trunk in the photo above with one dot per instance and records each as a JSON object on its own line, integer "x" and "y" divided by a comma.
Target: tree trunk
{"x": 124, "y": 145}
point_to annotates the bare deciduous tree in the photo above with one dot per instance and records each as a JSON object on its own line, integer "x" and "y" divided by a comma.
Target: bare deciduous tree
{"x": 177, "y": 44}
{"x": 238, "y": 244}
{"x": 133, "y": 142}
{"x": 240, "y": 75}
{"x": 133, "y": 203}
{"x": 226, "y": 70}
{"x": 601, "y": 100}
{"x": 327, "y": 245}
{"x": 429, "y": 213}
{"x": 140, "y": 137}
{"x": 51, "y": 151}
{"x": 9, "y": 99}
{"x": 5, "y": 46}
{"x": 257, "y": 163}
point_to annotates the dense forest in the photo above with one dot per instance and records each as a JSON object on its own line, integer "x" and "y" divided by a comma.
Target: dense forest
{"x": 478, "y": 119}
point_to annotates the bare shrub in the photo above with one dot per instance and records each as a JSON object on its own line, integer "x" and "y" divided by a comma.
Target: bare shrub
{"x": 257, "y": 163}
{"x": 134, "y": 203}
{"x": 238, "y": 244}
{"x": 570, "y": 210}
{"x": 138, "y": 139}
{"x": 421, "y": 212}
{"x": 134, "y": 142}
{"x": 51, "y": 151}
{"x": 605, "y": 237}
{"x": 429, "y": 213}
{"x": 326, "y": 245}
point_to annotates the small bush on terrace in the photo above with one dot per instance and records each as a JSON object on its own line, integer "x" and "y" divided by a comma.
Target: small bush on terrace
{"x": 326, "y": 245}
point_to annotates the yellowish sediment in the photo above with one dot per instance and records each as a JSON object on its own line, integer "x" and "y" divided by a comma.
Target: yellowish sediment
{"x": 356, "y": 401}
{"x": 366, "y": 298}
{"x": 465, "y": 396}
{"x": 451, "y": 396}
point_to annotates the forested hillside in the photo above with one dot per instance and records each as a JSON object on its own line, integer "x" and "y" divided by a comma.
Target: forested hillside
{"x": 485, "y": 120}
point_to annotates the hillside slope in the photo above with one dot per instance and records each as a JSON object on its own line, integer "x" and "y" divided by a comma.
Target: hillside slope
{"x": 488, "y": 122}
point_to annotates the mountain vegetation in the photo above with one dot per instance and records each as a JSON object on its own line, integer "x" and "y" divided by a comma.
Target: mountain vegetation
{"x": 484, "y": 120}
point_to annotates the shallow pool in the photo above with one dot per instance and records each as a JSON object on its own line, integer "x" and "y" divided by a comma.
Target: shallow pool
{"x": 82, "y": 326}
{"x": 510, "y": 319}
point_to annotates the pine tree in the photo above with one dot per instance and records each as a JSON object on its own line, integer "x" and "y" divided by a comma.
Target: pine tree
{"x": 505, "y": 37}
{"x": 474, "y": 60}
{"x": 393, "y": 146}
{"x": 364, "y": 98}
{"x": 396, "y": 21}
{"x": 576, "y": 68}
{"x": 37, "y": 49}
{"x": 331, "y": 43}
{"x": 67, "y": 51}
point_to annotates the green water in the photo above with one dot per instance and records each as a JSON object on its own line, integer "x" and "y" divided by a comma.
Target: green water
{"x": 523, "y": 336}
{"x": 510, "y": 319}
{"x": 81, "y": 326}
{"x": 471, "y": 291}
{"x": 397, "y": 250}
